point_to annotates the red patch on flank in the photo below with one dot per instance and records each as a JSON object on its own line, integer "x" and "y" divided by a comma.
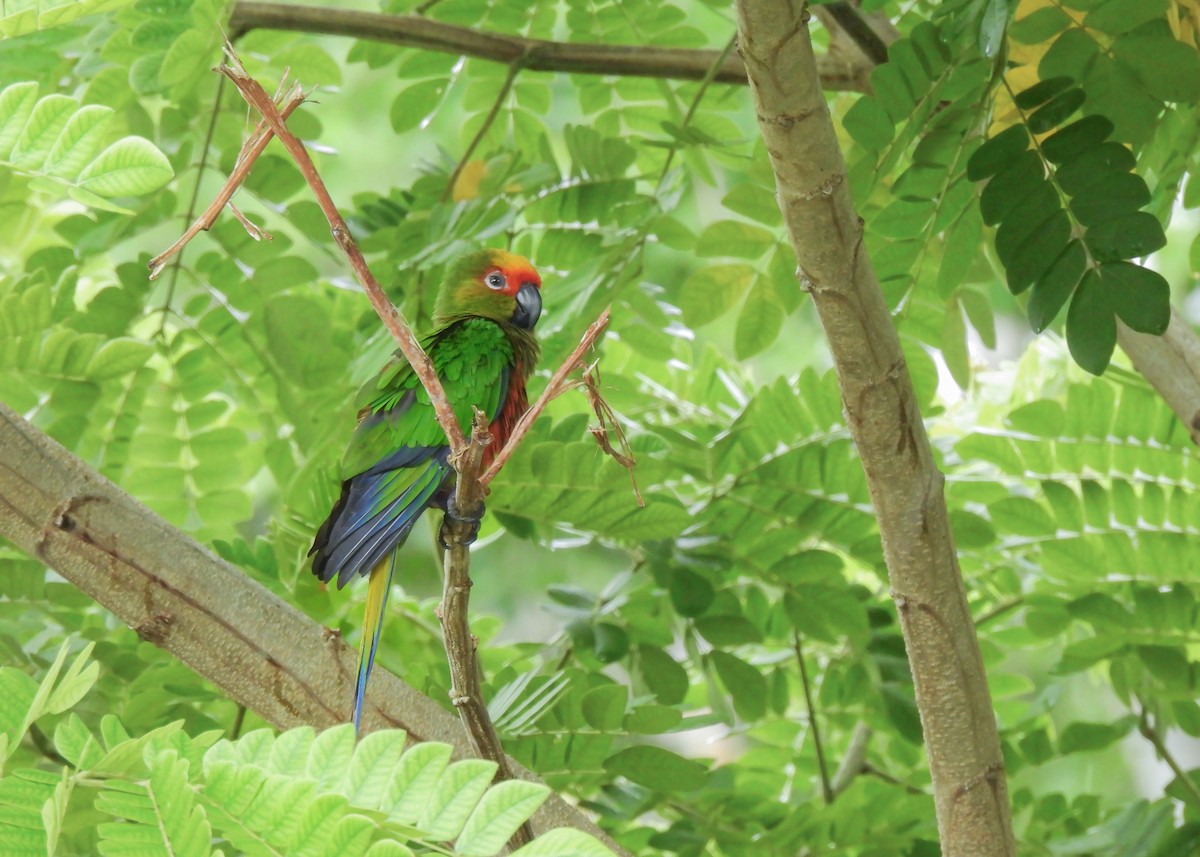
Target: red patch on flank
{"x": 515, "y": 404}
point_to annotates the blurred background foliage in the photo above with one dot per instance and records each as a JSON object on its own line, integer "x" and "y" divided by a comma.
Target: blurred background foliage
{"x": 694, "y": 672}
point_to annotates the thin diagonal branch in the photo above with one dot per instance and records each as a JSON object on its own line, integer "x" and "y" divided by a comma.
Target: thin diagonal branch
{"x": 257, "y": 98}
{"x": 1150, "y": 733}
{"x": 837, "y": 73}
{"x": 253, "y": 147}
{"x": 558, "y": 383}
{"x": 705, "y": 82}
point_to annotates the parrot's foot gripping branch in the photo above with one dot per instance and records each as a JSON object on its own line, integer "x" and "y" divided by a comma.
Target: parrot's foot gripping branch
{"x": 465, "y": 527}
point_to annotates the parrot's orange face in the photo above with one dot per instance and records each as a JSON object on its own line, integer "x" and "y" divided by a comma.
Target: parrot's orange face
{"x": 493, "y": 284}
{"x": 509, "y": 272}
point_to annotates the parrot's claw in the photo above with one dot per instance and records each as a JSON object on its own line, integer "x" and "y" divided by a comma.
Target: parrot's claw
{"x": 466, "y": 527}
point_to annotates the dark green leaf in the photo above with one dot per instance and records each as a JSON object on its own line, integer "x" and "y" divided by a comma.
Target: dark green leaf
{"x": 611, "y": 643}
{"x": 415, "y": 103}
{"x": 604, "y": 707}
{"x": 664, "y": 676}
{"x": 1117, "y": 194}
{"x": 893, "y": 95}
{"x": 728, "y": 630}
{"x": 998, "y": 153}
{"x": 1037, "y": 253}
{"x": 572, "y": 596}
{"x": 1169, "y": 69}
{"x": 1077, "y": 174}
{"x": 1025, "y": 218}
{"x": 1054, "y": 113}
{"x": 1071, "y": 55}
{"x": 1041, "y": 92}
{"x": 1072, "y": 141}
{"x": 903, "y": 219}
{"x": 1023, "y": 176}
{"x": 691, "y": 594}
{"x": 1080, "y": 736}
{"x": 1054, "y": 287}
{"x": 1039, "y": 26}
{"x": 1129, "y": 236}
{"x": 1140, "y": 296}
{"x": 1119, "y": 16}
{"x": 652, "y": 719}
{"x": 1091, "y": 327}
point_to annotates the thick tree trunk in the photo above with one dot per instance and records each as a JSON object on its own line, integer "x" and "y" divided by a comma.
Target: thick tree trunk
{"x": 970, "y": 791}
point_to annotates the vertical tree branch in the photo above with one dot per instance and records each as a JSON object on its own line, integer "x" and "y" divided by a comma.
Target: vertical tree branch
{"x": 970, "y": 790}
{"x": 466, "y": 691}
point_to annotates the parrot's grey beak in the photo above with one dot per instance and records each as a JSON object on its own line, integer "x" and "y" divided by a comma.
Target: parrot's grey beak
{"x": 529, "y": 306}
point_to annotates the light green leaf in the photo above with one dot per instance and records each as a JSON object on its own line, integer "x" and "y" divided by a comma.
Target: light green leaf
{"x": 711, "y": 291}
{"x": 79, "y": 142}
{"x": 46, "y": 122}
{"x": 502, "y": 810}
{"x": 118, "y": 357}
{"x": 656, "y": 768}
{"x": 454, "y": 797}
{"x": 16, "y": 105}
{"x": 420, "y": 769}
{"x": 604, "y": 706}
{"x": 564, "y": 842}
{"x": 129, "y": 167}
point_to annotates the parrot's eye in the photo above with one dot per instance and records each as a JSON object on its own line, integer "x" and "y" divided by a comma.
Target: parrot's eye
{"x": 495, "y": 280}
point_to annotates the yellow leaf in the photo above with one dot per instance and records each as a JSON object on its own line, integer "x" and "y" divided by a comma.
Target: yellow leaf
{"x": 466, "y": 186}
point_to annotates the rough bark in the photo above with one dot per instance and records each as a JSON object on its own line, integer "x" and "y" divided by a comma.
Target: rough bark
{"x": 970, "y": 791}
{"x": 837, "y": 73}
{"x": 261, "y": 651}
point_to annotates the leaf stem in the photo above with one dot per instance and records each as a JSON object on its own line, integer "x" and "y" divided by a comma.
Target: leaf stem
{"x": 827, "y": 792}
{"x": 191, "y": 211}
{"x": 514, "y": 69}
{"x": 1150, "y": 733}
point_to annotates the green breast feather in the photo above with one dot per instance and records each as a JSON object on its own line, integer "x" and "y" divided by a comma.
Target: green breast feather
{"x": 472, "y": 359}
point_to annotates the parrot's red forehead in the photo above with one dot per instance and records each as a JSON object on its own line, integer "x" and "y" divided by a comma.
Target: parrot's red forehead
{"x": 517, "y": 270}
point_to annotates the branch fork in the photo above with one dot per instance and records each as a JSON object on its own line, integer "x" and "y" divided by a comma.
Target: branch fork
{"x": 458, "y": 530}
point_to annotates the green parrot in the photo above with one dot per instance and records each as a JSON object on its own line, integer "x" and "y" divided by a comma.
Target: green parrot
{"x": 397, "y": 465}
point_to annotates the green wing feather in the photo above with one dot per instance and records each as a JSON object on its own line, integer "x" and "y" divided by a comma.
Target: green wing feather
{"x": 397, "y": 463}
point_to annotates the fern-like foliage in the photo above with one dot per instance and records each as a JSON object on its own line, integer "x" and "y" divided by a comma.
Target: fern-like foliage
{"x": 296, "y": 794}
{"x": 62, "y": 143}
